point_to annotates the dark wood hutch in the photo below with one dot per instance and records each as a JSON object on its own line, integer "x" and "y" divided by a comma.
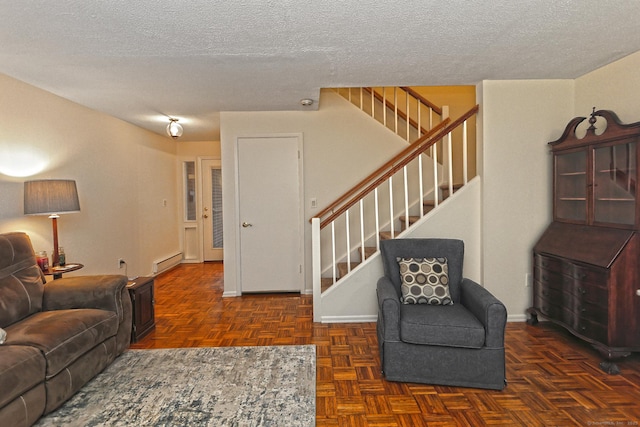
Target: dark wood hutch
{"x": 586, "y": 265}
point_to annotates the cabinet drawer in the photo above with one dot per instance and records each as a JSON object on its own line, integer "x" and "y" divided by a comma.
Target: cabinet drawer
{"x": 593, "y": 312}
{"x": 549, "y": 309}
{"x": 593, "y": 330}
{"x": 588, "y": 292}
{"x": 559, "y": 312}
{"x": 552, "y": 294}
{"x": 551, "y": 280}
{"x": 595, "y": 276}
{"x": 551, "y": 264}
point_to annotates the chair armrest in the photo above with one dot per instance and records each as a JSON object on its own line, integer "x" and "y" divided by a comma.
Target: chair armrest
{"x": 100, "y": 292}
{"x": 487, "y": 309}
{"x": 388, "y": 309}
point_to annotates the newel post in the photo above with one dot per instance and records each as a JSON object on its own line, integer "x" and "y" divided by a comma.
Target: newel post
{"x": 316, "y": 269}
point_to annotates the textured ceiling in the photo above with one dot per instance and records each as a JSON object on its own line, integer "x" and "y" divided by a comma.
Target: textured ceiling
{"x": 145, "y": 60}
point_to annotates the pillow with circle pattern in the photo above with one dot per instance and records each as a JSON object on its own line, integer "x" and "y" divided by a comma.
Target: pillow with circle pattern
{"x": 425, "y": 281}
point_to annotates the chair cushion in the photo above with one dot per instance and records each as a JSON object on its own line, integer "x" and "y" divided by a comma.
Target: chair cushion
{"x": 21, "y": 280}
{"x": 21, "y": 368}
{"x": 63, "y": 335}
{"x": 452, "y": 249}
{"x": 424, "y": 281}
{"x": 443, "y": 325}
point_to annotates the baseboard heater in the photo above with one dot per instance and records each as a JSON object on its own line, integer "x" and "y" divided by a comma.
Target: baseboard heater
{"x": 167, "y": 263}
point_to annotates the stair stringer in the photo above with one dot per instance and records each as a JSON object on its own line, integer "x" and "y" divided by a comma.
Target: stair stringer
{"x": 353, "y": 298}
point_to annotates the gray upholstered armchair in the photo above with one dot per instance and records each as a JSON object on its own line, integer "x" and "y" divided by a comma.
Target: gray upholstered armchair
{"x": 461, "y": 344}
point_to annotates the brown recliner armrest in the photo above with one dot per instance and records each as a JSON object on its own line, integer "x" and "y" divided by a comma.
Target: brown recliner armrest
{"x": 106, "y": 292}
{"x": 101, "y": 292}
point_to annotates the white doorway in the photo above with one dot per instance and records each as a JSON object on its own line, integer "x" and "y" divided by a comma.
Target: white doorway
{"x": 270, "y": 213}
{"x": 212, "y": 247}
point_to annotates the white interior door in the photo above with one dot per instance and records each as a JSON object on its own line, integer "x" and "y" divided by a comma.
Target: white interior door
{"x": 212, "y": 210}
{"x": 270, "y": 220}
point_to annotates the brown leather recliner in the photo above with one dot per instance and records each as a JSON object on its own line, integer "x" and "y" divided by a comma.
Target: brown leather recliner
{"x": 59, "y": 334}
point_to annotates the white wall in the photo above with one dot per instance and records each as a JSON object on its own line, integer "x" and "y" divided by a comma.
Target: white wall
{"x": 614, "y": 87}
{"x": 123, "y": 174}
{"x": 335, "y": 137}
{"x": 517, "y": 120}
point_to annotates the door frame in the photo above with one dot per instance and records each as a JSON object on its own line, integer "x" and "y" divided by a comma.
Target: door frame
{"x": 238, "y": 249}
{"x": 202, "y": 173}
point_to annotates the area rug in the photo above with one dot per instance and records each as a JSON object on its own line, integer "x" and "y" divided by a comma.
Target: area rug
{"x": 225, "y": 386}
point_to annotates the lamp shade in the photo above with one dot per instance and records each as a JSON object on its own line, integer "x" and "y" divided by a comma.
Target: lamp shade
{"x": 50, "y": 197}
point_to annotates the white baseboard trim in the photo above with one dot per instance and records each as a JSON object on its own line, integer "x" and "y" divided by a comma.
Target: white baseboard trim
{"x": 517, "y": 318}
{"x": 227, "y": 294}
{"x": 365, "y": 318}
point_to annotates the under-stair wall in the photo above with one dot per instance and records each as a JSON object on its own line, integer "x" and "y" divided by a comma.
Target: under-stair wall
{"x": 341, "y": 144}
{"x": 354, "y": 298}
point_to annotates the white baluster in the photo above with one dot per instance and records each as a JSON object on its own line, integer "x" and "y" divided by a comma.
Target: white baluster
{"x": 384, "y": 106}
{"x": 464, "y": 153}
{"x": 377, "y": 214}
{"x": 333, "y": 250}
{"x": 391, "y": 207}
{"x": 348, "y": 229}
{"x": 450, "y": 163}
{"x": 362, "y": 258}
{"x": 419, "y": 118}
{"x": 373, "y": 103}
{"x": 406, "y": 198}
{"x": 434, "y": 157}
{"x": 407, "y": 114}
{"x": 395, "y": 111}
{"x": 420, "y": 186}
{"x": 316, "y": 263}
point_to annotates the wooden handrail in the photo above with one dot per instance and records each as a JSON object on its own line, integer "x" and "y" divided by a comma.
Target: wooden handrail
{"x": 378, "y": 171}
{"x": 422, "y": 99}
{"x": 391, "y": 167}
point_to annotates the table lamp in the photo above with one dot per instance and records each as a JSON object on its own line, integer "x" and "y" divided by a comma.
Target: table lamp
{"x": 51, "y": 197}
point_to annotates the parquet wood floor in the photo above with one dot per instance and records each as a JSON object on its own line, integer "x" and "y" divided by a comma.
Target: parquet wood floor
{"x": 553, "y": 378}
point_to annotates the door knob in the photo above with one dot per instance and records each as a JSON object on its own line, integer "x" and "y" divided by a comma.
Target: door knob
{"x": 246, "y": 224}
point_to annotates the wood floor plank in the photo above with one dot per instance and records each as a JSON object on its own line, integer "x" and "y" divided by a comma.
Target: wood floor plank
{"x": 553, "y": 378}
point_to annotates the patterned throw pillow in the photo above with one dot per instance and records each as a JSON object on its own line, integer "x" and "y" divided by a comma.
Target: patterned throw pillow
{"x": 3, "y": 336}
{"x": 425, "y": 281}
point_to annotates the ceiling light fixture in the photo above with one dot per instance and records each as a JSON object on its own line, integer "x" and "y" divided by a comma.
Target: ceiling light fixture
{"x": 174, "y": 129}
{"x": 306, "y": 102}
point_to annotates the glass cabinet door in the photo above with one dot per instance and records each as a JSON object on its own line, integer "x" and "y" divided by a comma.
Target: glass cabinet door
{"x": 615, "y": 184}
{"x": 571, "y": 186}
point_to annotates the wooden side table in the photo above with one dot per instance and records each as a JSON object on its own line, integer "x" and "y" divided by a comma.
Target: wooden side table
{"x": 142, "y": 300}
{"x": 58, "y": 271}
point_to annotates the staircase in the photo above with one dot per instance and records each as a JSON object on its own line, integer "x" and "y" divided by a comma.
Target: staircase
{"x": 343, "y": 268}
{"x": 400, "y": 109}
{"x": 400, "y": 193}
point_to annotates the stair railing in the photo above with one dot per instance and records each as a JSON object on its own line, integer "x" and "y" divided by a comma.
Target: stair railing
{"x": 400, "y": 109}
{"x": 334, "y": 223}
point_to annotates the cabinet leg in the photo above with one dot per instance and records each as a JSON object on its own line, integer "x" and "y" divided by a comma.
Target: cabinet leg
{"x": 533, "y": 317}
{"x": 609, "y": 367}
